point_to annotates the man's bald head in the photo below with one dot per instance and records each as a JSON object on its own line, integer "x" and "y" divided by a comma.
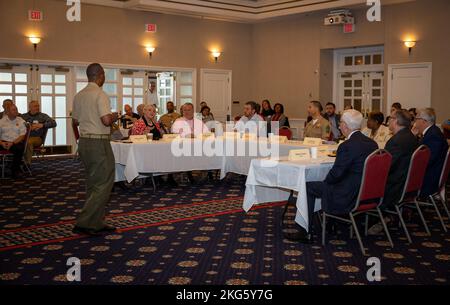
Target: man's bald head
{"x": 96, "y": 74}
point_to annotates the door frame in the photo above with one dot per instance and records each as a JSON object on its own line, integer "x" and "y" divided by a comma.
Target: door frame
{"x": 338, "y": 68}
{"x": 390, "y": 78}
{"x": 219, "y": 71}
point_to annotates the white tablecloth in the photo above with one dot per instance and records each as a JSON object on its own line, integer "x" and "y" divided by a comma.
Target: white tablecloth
{"x": 271, "y": 181}
{"x": 156, "y": 157}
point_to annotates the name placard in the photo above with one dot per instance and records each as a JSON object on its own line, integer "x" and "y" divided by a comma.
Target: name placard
{"x": 249, "y": 136}
{"x": 230, "y": 135}
{"x": 205, "y": 135}
{"x": 171, "y": 136}
{"x": 299, "y": 154}
{"x": 322, "y": 151}
{"x": 138, "y": 139}
{"x": 278, "y": 139}
{"x": 312, "y": 141}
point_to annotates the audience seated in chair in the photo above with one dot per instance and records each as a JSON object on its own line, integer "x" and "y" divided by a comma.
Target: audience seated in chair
{"x": 277, "y": 117}
{"x": 170, "y": 117}
{"x": 129, "y": 117}
{"x": 340, "y": 188}
{"x": 266, "y": 112}
{"x": 40, "y": 123}
{"x": 12, "y": 136}
{"x": 147, "y": 124}
{"x": 401, "y": 146}
{"x": 318, "y": 127}
{"x": 251, "y": 121}
{"x": 432, "y": 136}
{"x": 189, "y": 127}
{"x": 6, "y": 103}
{"x": 334, "y": 119}
{"x": 376, "y": 130}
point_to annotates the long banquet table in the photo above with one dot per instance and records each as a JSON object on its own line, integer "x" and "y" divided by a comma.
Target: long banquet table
{"x": 157, "y": 157}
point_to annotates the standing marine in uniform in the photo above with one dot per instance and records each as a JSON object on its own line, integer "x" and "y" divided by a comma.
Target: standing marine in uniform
{"x": 92, "y": 112}
{"x": 318, "y": 127}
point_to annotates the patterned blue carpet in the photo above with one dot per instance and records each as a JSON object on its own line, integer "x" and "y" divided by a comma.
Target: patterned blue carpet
{"x": 190, "y": 235}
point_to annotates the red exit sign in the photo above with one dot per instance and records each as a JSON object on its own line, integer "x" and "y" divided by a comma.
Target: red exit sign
{"x": 349, "y": 28}
{"x": 150, "y": 28}
{"x": 35, "y": 15}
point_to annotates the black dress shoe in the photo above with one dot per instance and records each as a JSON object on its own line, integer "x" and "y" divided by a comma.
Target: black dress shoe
{"x": 107, "y": 228}
{"x": 300, "y": 236}
{"x": 171, "y": 181}
{"x": 80, "y": 230}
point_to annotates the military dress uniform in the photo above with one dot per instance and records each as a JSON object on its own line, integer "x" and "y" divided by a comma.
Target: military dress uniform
{"x": 319, "y": 129}
{"x": 94, "y": 148}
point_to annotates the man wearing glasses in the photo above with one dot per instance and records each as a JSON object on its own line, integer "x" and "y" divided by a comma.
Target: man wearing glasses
{"x": 432, "y": 136}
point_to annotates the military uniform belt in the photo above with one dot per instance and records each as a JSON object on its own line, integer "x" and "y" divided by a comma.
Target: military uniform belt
{"x": 96, "y": 136}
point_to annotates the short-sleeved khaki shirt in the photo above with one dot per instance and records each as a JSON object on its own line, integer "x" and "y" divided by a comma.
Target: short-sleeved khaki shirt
{"x": 321, "y": 129}
{"x": 89, "y": 105}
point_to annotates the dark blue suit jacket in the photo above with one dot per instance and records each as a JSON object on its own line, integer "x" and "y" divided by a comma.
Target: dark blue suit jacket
{"x": 401, "y": 146}
{"x": 436, "y": 142}
{"x": 341, "y": 186}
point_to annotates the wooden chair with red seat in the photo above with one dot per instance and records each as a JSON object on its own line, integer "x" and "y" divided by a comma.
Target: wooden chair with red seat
{"x": 285, "y": 131}
{"x": 413, "y": 185}
{"x": 440, "y": 194}
{"x": 370, "y": 197}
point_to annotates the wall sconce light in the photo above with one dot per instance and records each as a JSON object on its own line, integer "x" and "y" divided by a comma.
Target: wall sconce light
{"x": 150, "y": 51}
{"x": 216, "y": 55}
{"x": 35, "y": 40}
{"x": 410, "y": 44}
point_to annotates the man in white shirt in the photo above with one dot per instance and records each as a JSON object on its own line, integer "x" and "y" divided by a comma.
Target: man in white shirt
{"x": 12, "y": 136}
{"x": 6, "y": 103}
{"x": 187, "y": 126}
{"x": 251, "y": 121}
{"x": 153, "y": 94}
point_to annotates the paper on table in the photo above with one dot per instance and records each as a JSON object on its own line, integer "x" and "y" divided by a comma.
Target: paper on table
{"x": 312, "y": 141}
{"x": 138, "y": 138}
{"x": 299, "y": 154}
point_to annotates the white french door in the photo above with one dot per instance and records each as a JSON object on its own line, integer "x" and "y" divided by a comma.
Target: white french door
{"x": 53, "y": 90}
{"x": 361, "y": 90}
{"x": 133, "y": 84}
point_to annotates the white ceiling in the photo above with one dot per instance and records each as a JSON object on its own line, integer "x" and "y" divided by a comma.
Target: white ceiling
{"x": 247, "y": 11}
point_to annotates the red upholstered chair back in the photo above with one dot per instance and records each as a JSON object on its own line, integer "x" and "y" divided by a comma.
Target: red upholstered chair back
{"x": 445, "y": 171}
{"x": 416, "y": 173}
{"x": 373, "y": 183}
{"x": 285, "y": 131}
{"x": 76, "y": 133}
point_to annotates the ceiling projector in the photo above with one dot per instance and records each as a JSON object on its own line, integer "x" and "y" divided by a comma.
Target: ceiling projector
{"x": 339, "y": 17}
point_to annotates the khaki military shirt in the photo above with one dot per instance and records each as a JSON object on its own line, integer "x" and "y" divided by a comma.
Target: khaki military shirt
{"x": 89, "y": 105}
{"x": 320, "y": 129}
{"x": 169, "y": 118}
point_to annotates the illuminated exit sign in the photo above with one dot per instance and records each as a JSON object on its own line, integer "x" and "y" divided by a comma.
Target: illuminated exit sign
{"x": 35, "y": 15}
{"x": 349, "y": 28}
{"x": 150, "y": 28}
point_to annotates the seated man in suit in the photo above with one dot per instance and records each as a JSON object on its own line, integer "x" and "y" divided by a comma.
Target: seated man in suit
{"x": 341, "y": 186}
{"x": 432, "y": 136}
{"x": 401, "y": 146}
